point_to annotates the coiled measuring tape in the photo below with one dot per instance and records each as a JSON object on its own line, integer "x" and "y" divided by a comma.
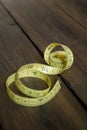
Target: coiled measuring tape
{"x": 58, "y": 62}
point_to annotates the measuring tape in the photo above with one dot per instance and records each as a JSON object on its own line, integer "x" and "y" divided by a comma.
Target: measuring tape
{"x": 57, "y": 61}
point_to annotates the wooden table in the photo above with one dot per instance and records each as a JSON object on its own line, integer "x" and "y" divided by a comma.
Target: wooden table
{"x": 26, "y": 28}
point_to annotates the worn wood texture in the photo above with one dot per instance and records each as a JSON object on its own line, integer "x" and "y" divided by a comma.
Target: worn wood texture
{"x": 61, "y": 21}
{"x": 77, "y": 9}
{"x": 65, "y": 111}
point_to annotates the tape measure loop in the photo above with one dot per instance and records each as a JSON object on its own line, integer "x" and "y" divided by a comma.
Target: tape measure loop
{"x": 57, "y": 62}
{"x": 31, "y": 73}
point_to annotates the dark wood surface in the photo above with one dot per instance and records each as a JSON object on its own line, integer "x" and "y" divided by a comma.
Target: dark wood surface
{"x": 45, "y": 23}
{"x": 26, "y": 28}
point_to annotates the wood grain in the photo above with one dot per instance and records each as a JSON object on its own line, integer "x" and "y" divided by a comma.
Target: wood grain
{"x": 46, "y": 22}
{"x": 77, "y": 9}
{"x": 63, "y": 112}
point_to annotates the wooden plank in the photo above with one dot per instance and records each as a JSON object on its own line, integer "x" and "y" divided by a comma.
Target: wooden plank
{"x": 44, "y": 22}
{"x": 77, "y": 9}
{"x": 41, "y": 12}
{"x": 63, "y": 112}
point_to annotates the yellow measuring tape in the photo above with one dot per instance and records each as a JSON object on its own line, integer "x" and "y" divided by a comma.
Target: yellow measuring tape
{"x": 58, "y": 62}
